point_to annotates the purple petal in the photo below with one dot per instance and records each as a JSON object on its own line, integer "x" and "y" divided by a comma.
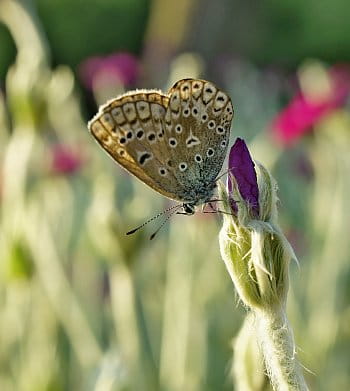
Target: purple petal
{"x": 241, "y": 166}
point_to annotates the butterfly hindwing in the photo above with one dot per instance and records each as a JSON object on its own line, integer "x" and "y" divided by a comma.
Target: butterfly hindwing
{"x": 200, "y": 115}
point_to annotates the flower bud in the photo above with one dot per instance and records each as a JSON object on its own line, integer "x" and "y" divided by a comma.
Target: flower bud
{"x": 254, "y": 249}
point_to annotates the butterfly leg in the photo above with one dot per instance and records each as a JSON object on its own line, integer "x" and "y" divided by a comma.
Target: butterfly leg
{"x": 210, "y": 203}
{"x": 213, "y": 209}
{"x": 213, "y": 200}
{"x": 219, "y": 211}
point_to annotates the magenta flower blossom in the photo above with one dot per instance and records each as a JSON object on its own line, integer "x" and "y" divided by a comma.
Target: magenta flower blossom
{"x": 65, "y": 160}
{"x": 241, "y": 167}
{"x": 122, "y": 68}
{"x": 303, "y": 113}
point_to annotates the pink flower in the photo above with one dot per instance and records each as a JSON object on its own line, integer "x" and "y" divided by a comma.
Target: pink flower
{"x": 65, "y": 159}
{"x": 302, "y": 112}
{"x": 121, "y": 68}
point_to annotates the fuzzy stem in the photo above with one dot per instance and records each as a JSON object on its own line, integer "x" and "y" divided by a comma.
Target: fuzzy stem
{"x": 248, "y": 369}
{"x": 276, "y": 341}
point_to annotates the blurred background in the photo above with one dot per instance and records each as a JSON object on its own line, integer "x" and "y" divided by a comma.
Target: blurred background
{"x": 82, "y": 306}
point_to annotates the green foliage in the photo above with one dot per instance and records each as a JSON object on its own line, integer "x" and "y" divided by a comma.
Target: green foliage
{"x": 103, "y": 27}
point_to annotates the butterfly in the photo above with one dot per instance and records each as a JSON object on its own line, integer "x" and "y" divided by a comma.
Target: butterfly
{"x": 175, "y": 143}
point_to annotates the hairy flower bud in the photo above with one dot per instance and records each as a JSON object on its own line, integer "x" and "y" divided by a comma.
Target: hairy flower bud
{"x": 257, "y": 257}
{"x": 253, "y": 247}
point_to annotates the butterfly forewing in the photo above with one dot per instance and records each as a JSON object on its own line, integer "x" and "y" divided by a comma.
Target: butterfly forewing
{"x": 129, "y": 129}
{"x": 175, "y": 142}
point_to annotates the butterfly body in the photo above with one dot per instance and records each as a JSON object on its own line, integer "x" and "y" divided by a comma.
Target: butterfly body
{"x": 175, "y": 142}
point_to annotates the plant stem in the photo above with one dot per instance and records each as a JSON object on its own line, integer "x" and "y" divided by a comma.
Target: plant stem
{"x": 276, "y": 341}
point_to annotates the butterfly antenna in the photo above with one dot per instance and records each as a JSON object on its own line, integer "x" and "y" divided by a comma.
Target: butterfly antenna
{"x": 162, "y": 225}
{"x": 224, "y": 173}
{"x": 152, "y": 218}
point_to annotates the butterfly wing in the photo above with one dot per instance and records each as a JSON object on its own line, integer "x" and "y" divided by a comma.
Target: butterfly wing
{"x": 174, "y": 143}
{"x": 199, "y": 118}
{"x": 131, "y": 130}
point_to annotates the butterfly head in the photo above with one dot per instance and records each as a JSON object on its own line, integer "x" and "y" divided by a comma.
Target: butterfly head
{"x": 189, "y": 208}
{"x": 198, "y": 196}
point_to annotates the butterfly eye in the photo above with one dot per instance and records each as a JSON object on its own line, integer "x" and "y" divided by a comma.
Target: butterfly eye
{"x": 210, "y": 152}
{"x": 183, "y": 166}
{"x": 204, "y": 117}
{"x": 178, "y": 128}
{"x": 211, "y": 124}
{"x": 172, "y": 142}
{"x": 140, "y": 134}
{"x": 186, "y": 112}
{"x": 220, "y": 130}
{"x": 198, "y": 158}
{"x": 162, "y": 171}
{"x": 151, "y": 137}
